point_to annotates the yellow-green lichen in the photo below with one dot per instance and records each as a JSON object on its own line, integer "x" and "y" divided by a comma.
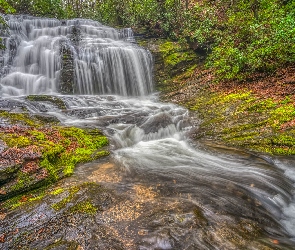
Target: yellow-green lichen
{"x": 242, "y": 119}
{"x": 85, "y": 207}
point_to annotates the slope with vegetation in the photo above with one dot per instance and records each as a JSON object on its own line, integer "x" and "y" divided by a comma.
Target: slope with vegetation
{"x": 239, "y": 37}
{"x": 37, "y": 151}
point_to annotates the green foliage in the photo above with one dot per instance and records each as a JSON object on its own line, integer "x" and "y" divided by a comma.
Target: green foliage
{"x": 5, "y": 7}
{"x": 200, "y": 24}
{"x": 254, "y": 44}
{"x": 238, "y": 37}
{"x": 46, "y": 8}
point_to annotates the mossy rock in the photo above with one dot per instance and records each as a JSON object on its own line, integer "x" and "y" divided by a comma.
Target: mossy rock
{"x": 48, "y": 98}
{"x": 8, "y": 173}
{"x": 43, "y": 154}
{"x": 45, "y": 118}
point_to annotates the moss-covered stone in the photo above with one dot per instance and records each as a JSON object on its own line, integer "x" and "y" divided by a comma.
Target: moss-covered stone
{"x": 244, "y": 120}
{"x": 48, "y": 98}
{"x": 39, "y": 155}
{"x": 63, "y": 244}
{"x": 19, "y": 118}
{"x": 177, "y": 58}
{"x": 8, "y": 172}
{"x": 62, "y": 204}
{"x": 85, "y": 207}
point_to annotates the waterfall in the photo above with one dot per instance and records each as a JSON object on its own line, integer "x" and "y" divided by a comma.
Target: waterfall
{"x": 206, "y": 197}
{"x": 105, "y": 60}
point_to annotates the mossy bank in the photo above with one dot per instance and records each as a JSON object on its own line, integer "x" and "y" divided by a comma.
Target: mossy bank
{"x": 257, "y": 114}
{"x": 34, "y": 153}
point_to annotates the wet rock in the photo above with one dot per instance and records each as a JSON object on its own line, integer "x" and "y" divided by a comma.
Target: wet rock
{"x": 46, "y": 118}
{"x": 58, "y": 102}
{"x": 8, "y": 172}
{"x": 68, "y": 71}
{"x": 152, "y": 125}
{"x": 19, "y": 186}
{"x": 3, "y": 145}
{"x": 8, "y": 105}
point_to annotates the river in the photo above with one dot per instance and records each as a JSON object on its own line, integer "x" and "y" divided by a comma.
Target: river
{"x": 233, "y": 194}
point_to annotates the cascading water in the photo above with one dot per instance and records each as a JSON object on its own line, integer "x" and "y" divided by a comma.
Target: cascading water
{"x": 104, "y": 63}
{"x": 149, "y": 138}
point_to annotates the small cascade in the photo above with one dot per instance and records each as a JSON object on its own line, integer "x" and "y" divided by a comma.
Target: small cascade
{"x": 101, "y": 78}
{"x": 104, "y": 60}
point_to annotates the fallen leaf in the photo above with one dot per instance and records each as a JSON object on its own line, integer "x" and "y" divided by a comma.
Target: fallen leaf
{"x": 2, "y": 238}
{"x": 275, "y": 242}
{"x": 2, "y": 216}
{"x": 2, "y": 192}
{"x": 23, "y": 199}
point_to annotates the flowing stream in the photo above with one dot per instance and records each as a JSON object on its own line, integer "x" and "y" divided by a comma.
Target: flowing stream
{"x": 111, "y": 88}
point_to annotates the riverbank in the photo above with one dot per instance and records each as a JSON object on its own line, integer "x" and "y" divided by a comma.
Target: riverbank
{"x": 36, "y": 151}
{"x": 257, "y": 114}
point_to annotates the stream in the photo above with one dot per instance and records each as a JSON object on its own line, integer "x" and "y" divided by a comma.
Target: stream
{"x": 190, "y": 195}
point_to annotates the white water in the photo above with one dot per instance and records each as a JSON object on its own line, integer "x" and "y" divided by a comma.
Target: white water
{"x": 105, "y": 62}
{"x": 149, "y": 138}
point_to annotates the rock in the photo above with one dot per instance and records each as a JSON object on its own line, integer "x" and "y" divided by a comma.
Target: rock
{"x": 8, "y": 172}
{"x": 58, "y": 102}
{"x": 67, "y": 72}
{"x": 3, "y": 146}
{"x": 46, "y": 118}
{"x": 152, "y": 125}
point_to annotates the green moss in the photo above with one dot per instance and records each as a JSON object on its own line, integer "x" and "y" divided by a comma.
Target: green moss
{"x": 38, "y": 135}
{"x": 13, "y": 203}
{"x": 62, "y": 244}
{"x": 284, "y": 140}
{"x": 85, "y": 207}
{"x": 282, "y": 114}
{"x": 61, "y": 149}
{"x": 173, "y": 54}
{"x": 178, "y": 57}
{"x": 62, "y": 204}
{"x": 99, "y": 154}
{"x": 241, "y": 119}
{"x": 166, "y": 47}
{"x": 47, "y": 98}
{"x": 22, "y": 180}
{"x": 19, "y": 118}
{"x": 13, "y": 140}
{"x": 57, "y": 191}
{"x": 25, "y": 199}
